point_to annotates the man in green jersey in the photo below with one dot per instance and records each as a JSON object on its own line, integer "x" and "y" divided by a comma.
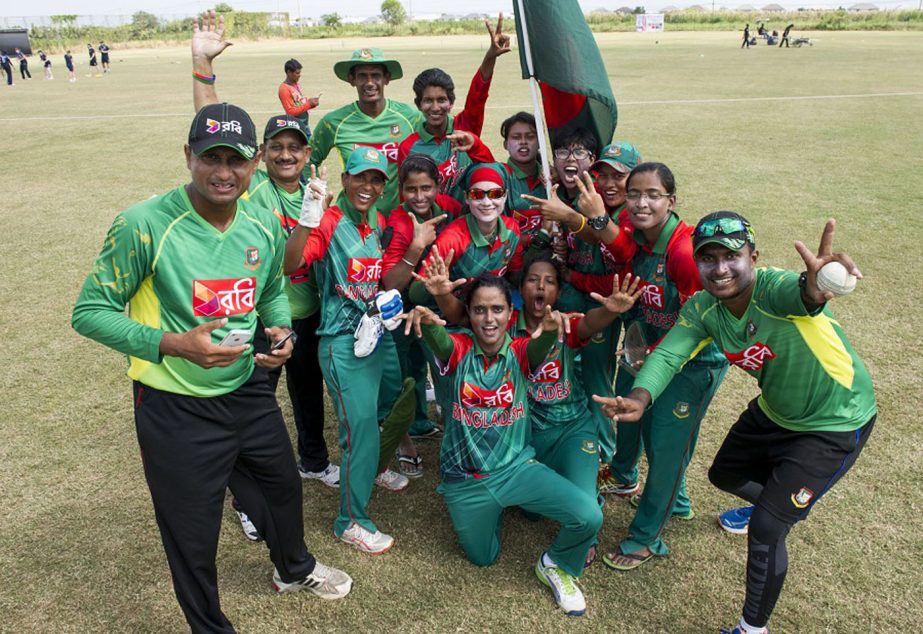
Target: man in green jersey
{"x": 371, "y": 120}
{"x": 816, "y": 408}
{"x": 195, "y": 269}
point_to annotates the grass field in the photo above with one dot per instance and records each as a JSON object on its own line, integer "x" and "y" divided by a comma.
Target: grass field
{"x": 787, "y": 137}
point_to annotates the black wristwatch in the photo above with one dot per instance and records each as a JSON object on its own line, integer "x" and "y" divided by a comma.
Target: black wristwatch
{"x": 803, "y": 281}
{"x": 599, "y": 222}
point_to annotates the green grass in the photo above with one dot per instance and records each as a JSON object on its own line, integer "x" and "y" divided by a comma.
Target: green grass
{"x": 79, "y": 549}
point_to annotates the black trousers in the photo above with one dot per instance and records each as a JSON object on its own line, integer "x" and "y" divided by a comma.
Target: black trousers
{"x": 24, "y": 69}
{"x": 192, "y": 450}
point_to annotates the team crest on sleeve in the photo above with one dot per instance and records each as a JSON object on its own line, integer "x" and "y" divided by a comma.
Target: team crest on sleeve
{"x": 752, "y": 358}
{"x": 588, "y": 446}
{"x": 802, "y": 498}
{"x": 213, "y": 298}
{"x": 253, "y": 260}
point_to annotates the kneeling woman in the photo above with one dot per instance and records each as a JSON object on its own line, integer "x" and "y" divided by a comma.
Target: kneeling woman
{"x": 485, "y": 461}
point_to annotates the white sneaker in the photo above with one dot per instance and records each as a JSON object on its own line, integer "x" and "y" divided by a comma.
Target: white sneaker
{"x": 324, "y": 581}
{"x": 566, "y": 593}
{"x": 365, "y": 540}
{"x": 329, "y": 476}
{"x": 249, "y": 529}
{"x": 392, "y": 480}
{"x": 430, "y": 391}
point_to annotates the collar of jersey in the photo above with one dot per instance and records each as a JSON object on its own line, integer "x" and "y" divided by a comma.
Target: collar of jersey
{"x": 362, "y": 114}
{"x": 519, "y": 174}
{"x": 197, "y": 217}
{"x": 665, "y": 234}
{"x": 507, "y": 340}
{"x": 426, "y": 136}
{"x": 353, "y": 214}
{"x": 478, "y": 238}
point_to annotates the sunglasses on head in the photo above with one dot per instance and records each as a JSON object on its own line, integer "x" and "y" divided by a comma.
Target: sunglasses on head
{"x": 492, "y": 194}
{"x": 725, "y": 226}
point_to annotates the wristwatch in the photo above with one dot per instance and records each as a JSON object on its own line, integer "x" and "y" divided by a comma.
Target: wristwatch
{"x": 599, "y": 222}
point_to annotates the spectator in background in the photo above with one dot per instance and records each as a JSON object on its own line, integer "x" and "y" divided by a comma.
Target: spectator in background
{"x": 104, "y": 56}
{"x": 46, "y": 64}
{"x": 785, "y": 36}
{"x": 23, "y": 64}
{"x": 293, "y": 100}
{"x": 746, "y": 42}
{"x": 69, "y": 62}
{"x": 7, "y": 67}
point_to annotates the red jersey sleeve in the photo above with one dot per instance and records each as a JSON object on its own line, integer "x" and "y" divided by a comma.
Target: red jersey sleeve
{"x": 449, "y": 205}
{"x": 592, "y": 282}
{"x": 316, "y": 246}
{"x": 623, "y": 247}
{"x": 403, "y": 150}
{"x": 401, "y": 236}
{"x": 681, "y": 268}
{"x": 573, "y": 340}
{"x": 454, "y": 237}
{"x": 461, "y": 345}
{"x": 479, "y": 152}
{"x": 518, "y": 348}
{"x": 287, "y": 97}
{"x": 472, "y": 117}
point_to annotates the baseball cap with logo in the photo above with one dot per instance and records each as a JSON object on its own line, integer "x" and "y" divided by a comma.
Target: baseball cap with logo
{"x": 367, "y": 56}
{"x": 727, "y": 228}
{"x": 283, "y": 122}
{"x": 223, "y": 125}
{"x": 363, "y": 159}
{"x": 622, "y": 156}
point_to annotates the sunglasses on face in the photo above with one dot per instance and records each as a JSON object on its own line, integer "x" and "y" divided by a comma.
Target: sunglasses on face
{"x": 481, "y": 194}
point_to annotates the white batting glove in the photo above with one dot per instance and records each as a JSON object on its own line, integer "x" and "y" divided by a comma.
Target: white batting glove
{"x": 312, "y": 204}
{"x": 390, "y": 307}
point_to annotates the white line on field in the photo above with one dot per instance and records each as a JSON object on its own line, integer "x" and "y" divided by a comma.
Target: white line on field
{"x": 661, "y": 102}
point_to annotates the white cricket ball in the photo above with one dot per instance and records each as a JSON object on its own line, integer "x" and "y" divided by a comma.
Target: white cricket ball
{"x": 834, "y": 277}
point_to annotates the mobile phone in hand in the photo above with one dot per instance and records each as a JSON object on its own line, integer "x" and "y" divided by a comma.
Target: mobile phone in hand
{"x": 236, "y": 337}
{"x": 278, "y": 345}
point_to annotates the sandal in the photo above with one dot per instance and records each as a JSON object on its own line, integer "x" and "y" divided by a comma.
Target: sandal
{"x": 636, "y": 560}
{"x": 433, "y": 433}
{"x": 410, "y": 466}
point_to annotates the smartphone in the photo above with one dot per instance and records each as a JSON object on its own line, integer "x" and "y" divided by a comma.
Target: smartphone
{"x": 281, "y": 342}
{"x": 236, "y": 337}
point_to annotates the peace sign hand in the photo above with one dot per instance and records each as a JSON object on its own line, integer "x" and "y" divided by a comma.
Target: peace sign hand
{"x": 815, "y": 263}
{"x": 208, "y": 40}
{"x": 589, "y": 202}
{"x": 499, "y": 41}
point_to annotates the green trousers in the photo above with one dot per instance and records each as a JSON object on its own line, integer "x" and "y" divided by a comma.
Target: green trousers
{"x": 362, "y": 392}
{"x": 668, "y": 431}
{"x": 476, "y": 507}
{"x": 413, "y": 365}
{"x": 571, "y": 450}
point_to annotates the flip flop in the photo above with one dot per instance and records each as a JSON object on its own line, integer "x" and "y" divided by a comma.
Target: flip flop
{"x": 636, "y": 560}
{"x": 410, "y": 466}
{"x": 433, "y": 433}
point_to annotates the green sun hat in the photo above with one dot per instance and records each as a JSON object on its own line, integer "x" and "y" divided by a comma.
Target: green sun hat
{"x": 367, "y": 56}
{"x": 621, "y": 156}
{"x": 363, "y": 159}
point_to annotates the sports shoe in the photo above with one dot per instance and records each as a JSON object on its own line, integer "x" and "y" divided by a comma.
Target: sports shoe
{"x": 430, "y": 391}
{"x": 329, "y": 476}
{"x": 566, "y": 593}
{"x": 635, "y": 500}
{"x": 736, "y": 520}
{"x": 738, "y": 630}
{"x": 608, "y": 485}
{"x": 365, "y": 540}
{"x": 324, "y": 581}
{"x": 249, "y": 529}
{"x": 391, "y": 480}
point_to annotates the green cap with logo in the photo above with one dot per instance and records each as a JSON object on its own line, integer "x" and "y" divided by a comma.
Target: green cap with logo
{"x": 621, "y": 156}
{"x": 367, "y": 56}
{"x": 727, "y": 228}
{"x": 363, "y": 159}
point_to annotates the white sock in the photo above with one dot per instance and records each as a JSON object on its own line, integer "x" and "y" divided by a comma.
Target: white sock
{"x": 751, "y": 629}
{"x": 548, "y": 561}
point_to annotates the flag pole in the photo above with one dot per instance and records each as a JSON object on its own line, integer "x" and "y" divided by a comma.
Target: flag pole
{"x": 541, "y": 128}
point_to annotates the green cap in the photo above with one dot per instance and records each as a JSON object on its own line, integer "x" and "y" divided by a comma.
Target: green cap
{"x": 367, "y": 56}
{"x": 622, "y": 156}
{"x": 363, "y": 159}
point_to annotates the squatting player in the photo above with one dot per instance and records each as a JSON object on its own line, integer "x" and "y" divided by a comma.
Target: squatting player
{"x": 192, "y": 267}
{"x": 816, "y": 408}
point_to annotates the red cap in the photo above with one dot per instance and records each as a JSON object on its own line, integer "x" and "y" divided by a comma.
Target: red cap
{"x": 486, "y": 174}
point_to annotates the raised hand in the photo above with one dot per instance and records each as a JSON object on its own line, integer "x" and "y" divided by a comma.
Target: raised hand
{"x": 624, "y": 294}
{"x": 424, "y": 233}
{"x": 814, "y": 263}
{"x": 553, "y": 208}
{"x": 461, "y": 140}
{"x": 208, "y": 40}
{"x": 589, "y": 202}
{"x": 419, "y": 316}
{"x": 499, "y": 41}
{"x": 436, "y": 274}
{"x": 552, "y": 321}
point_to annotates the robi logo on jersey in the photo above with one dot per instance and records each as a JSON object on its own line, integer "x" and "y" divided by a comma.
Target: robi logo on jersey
{"x": 364, "y": 270}
{"x": 475, "y": 396}
{"x": 549, "y": 372}
{"x": 752, "y": 358}
{"x": 652, "y": 296}
{"x": 211, "y": 298}
{"x": 528, "y": 219}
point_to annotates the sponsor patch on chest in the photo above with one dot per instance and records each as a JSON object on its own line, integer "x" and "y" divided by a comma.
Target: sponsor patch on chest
{"x": 752, "y": 358}
{"x": 214, "y": 298}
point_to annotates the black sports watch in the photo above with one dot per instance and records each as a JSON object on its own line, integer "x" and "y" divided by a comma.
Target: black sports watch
{"x": 599, "y": 222}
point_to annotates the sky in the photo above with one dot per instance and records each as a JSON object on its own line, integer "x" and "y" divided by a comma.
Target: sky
{"x": 365, "y": 8}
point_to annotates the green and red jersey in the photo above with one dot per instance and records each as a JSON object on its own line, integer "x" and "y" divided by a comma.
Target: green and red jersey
{"x": 294, "y": 102}
{"x": 175, "y": 271}
{"x": 669, "y": 277}
{"x": 450, "y": 162}
{"x": 301, "y": 288}
{"x": 488, "y": 427}
{"x": 810, "y": 377}
{"x": 474, "y": 254}
{"x": 521, "y": 210}
{"x": 556, "y": 396}
{"x": 347, "y": 257}
{"x": 347, "y": 128}
{"x": 400, "y": 228}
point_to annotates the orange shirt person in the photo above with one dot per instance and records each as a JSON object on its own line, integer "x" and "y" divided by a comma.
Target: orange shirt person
{"x": 293, "y": 100}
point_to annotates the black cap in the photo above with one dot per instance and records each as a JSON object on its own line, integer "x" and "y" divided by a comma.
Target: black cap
{"x": 283, "y": 122}
{"x": 727, "y": 228}
{"x": 223, "y": 125}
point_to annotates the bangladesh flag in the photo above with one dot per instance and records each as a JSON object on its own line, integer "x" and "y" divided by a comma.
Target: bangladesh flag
{"x": 566, "y": 62}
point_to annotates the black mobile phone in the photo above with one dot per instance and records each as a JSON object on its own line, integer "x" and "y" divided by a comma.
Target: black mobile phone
{"x": 281, "y": 342}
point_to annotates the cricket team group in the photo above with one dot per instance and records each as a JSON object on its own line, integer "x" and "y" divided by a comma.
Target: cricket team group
{"x": 438, "y": 262}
